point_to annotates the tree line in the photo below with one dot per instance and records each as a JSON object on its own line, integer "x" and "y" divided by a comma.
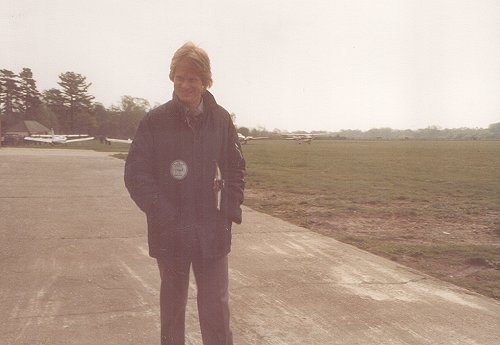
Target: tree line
{"x": 386, "y": 133}
{"x": 70, "y": 108}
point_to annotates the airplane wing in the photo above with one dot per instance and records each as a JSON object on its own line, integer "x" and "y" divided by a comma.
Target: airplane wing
{"x": 41, "y": 140}
{"x": 125, "y": 141}
{"x": 74, "y": 135}
{"x": 79, "y": 139}
{"x": 243, "y": 138}
{"x": 41, "y": 136}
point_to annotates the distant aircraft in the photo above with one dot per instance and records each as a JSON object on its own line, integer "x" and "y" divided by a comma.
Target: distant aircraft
{"x": 124, "y": 141}
{"x": 305, "y": 137}
{"x": 58, "y": 138}
{"x": 243, "y": 139}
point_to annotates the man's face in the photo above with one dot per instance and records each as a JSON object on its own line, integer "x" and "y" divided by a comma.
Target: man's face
{"x": 187, "y": 85}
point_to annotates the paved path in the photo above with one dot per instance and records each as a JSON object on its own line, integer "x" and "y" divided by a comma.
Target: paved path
{"x": 74, "y": 270}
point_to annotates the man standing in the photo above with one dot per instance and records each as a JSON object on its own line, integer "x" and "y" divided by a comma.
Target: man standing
{"x": 185, "y": 170}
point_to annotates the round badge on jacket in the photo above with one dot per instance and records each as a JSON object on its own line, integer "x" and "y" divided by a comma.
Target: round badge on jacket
{"x": 178, "y": 169}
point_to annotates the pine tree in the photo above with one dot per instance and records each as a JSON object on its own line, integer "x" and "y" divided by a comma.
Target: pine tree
{"x": 10, "y": 95}
{"x": 75, "y": 97}
{"x": 29, "y": 95}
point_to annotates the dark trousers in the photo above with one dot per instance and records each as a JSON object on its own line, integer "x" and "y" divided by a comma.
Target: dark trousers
{"x": 212, "y": 297}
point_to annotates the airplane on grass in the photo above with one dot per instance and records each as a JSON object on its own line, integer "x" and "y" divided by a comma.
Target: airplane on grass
{"x": 124, "y": 141}
{"x": 58, "y": 138}
{"x": 305, "y": 137}
{"x": 243, "y": 139}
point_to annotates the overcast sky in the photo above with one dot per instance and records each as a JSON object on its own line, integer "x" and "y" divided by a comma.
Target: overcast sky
{"x": 286, "y": 64}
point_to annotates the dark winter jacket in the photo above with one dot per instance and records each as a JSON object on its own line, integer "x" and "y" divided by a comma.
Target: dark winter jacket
{"x": 170, "y": 171}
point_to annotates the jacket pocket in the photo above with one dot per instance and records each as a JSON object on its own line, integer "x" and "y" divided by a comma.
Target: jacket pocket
{"x": 163, "y": 214}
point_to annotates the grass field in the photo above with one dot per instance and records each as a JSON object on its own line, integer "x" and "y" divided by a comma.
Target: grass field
{"x": 431, "y": 205}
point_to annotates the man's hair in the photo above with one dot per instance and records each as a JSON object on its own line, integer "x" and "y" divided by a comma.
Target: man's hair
{"x": 197, "y": 58}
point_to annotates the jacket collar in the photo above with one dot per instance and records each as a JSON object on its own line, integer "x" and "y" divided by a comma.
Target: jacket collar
{"x": 208, "y": 101}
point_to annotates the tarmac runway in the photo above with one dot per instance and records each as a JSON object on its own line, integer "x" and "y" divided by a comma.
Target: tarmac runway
{"x": 75, "y": 270}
